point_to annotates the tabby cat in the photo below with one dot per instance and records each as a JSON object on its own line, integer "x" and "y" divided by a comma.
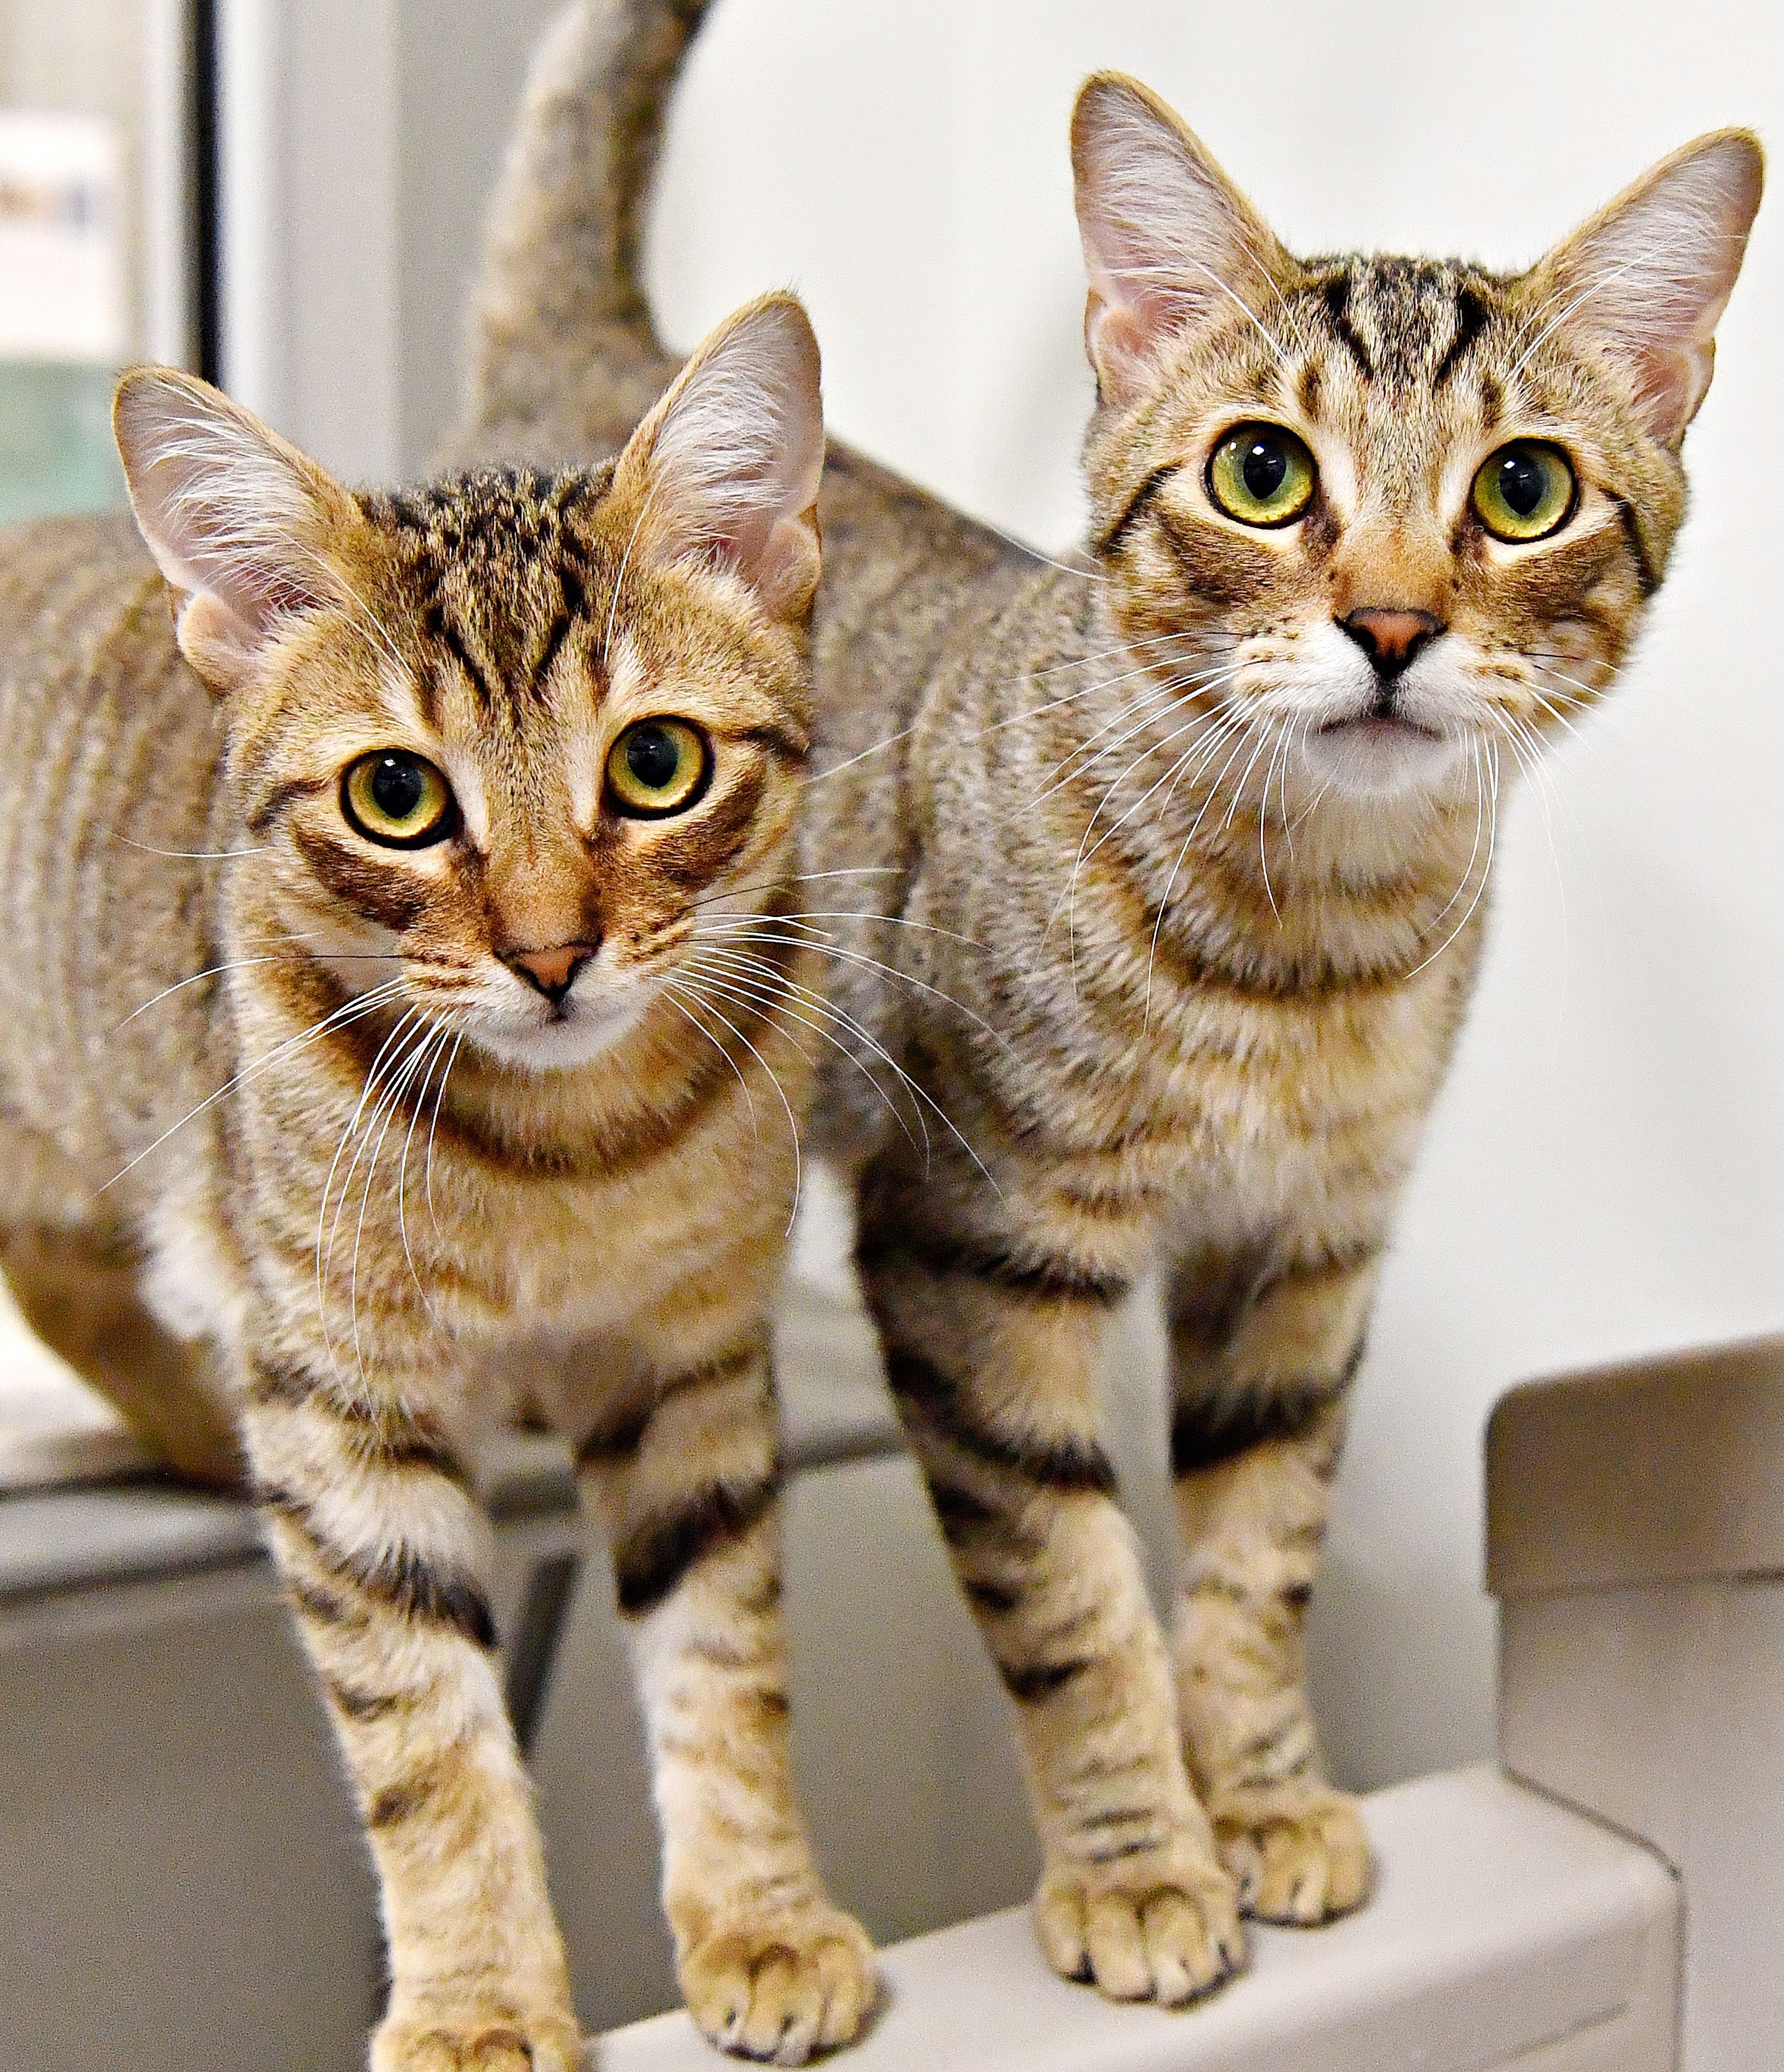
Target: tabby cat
{"x": 357, "y": 1071}
{"x": 1194, "y": 840}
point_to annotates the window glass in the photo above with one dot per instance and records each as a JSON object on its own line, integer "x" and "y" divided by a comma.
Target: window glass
{"x": 73, "y": 235}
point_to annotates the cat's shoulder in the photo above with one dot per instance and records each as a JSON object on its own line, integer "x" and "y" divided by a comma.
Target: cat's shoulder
{"x": 65, "y": 578}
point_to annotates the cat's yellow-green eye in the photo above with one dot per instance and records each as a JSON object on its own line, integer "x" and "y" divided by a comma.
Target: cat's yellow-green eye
{"x": 1524, "y": 492}
{"x": 1262, "y": 474}
{"x": 660, "y": 766}
{"x": 398, "y": 800}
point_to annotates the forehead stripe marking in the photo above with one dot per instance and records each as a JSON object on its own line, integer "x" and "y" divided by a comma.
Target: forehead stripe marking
{"x": 453, "y": 640}
{"x": 1307, "y": 389}
{"x": 575, "y": 607}
{"x": 1336, "y": 294}
{"x": 554, "y": 641}
{"x": 1470, "y": 322}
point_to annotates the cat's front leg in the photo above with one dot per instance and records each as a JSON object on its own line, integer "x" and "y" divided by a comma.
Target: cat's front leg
{"x": 1262, "y": 1364}
{"x": 992, "y": 1347}
{"x": 381, "y": 1545}
{"x": 687, "y": 1483}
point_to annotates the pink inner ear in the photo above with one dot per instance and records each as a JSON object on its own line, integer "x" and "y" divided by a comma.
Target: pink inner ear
{"x": 1165, "y": 237}
{"x": 729, "y": 464}
{"x": 217, "y": 642}
{"x": 1667, "y": 351}
{"x": 259, "y": 595}
{"x": 788, "y": 563}
{"x": 1647, "y": 281}
{"x": 1670, "y": 384}
{"x": 1125, "y": 338}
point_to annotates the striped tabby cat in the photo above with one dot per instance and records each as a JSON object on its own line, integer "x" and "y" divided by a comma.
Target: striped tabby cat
{"x": 356, "y": 1055}
{"x": 1198, "y": 835}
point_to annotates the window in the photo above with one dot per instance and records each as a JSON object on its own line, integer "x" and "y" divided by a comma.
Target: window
{"x": 96, "y": 198}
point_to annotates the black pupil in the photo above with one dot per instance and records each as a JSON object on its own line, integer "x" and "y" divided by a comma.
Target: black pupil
{"x": 652, "y": 757}
{"x": 1264, "y": 468}
{"x": 398, "y": 787}
{"x": 1524, "y": 483}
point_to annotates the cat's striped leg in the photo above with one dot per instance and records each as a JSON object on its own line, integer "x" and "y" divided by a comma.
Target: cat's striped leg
{"x": 1261, "y": 1367}
{"x": 687, "y": 1483}
{"x": 382, "y": 1545}
{"x": 993, "y": 1354}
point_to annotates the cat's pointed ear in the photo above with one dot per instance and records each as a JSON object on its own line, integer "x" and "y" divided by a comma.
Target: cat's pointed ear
{"x": 1168, "y": 238}
{"x": 240, "y": 524}
{"x": 1646, "y": 280}
{"x": 727, "y": 466}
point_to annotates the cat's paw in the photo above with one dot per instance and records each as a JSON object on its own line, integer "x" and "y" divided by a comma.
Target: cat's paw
{"x": 1160, "y": 1925}
{"x": 1300, "y": 1853}
{"x": 422, "y": 2038}
{"x": 780, "y": 1989}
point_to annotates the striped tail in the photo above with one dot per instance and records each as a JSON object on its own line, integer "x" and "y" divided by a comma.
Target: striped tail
{"x": 563, "y": 344}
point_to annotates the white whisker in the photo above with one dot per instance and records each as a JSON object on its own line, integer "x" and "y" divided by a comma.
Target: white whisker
{"x": 433, "y": 1127}
{"x": 1486, "y": 871}
{"x": 755, "y": 934}
{"x": 190, "y": 855}
{"x": 400, "y": 1077}
{"x": 733, "y": 979}
{"x": 366, "y": 1003}
{"x": 792, "y": 1121}
{"x": 848, "y": 1022}
{"x": 444, "y": 1039}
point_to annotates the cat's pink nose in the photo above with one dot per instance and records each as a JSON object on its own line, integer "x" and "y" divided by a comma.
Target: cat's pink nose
{"x": 1391, "y": 638}
{"x": 552, "y": 971}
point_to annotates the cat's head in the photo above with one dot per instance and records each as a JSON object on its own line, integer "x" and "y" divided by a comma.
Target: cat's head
{"x": 1395, "y": 515}
{"x": 495, "y": 742}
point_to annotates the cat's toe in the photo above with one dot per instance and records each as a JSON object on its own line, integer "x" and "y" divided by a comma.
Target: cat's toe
{"x": 428, "y": 2039}
{"x": 1162, "y": 1924}
{"x": 1301, "y": 1853}
{"x": 780, "y": 1990}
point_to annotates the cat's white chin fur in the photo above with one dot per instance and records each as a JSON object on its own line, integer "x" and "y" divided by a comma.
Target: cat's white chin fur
{"x": 1367, "y": 758}
{"x": 1419, "y": 748}
{"x": 560, "y": 1044}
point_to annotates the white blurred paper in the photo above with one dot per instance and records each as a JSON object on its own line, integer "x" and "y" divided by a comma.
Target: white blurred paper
{"x": 63, "y": 293}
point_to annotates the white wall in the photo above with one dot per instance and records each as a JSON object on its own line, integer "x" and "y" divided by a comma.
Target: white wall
{"x": 1603, "y": 1173}
{"x": 1606, "y": 1173}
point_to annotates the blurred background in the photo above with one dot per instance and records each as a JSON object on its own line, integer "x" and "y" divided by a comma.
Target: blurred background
{"x": 285, "y": 195}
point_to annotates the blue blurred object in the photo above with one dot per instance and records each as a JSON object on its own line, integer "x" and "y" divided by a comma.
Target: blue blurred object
{"x": 57, "y": 453}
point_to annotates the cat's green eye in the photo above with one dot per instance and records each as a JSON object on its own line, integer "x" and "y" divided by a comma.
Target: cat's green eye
{"x": 1261, "y": 475}
{"x": 1524, "y": 492}
{"x": 660, "y": 766}
{"x": 398, "y": 800}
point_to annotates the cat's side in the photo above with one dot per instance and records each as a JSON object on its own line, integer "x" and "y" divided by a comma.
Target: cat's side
{"x": 359, "y": 1081}
{"x": 1192, "y": 849}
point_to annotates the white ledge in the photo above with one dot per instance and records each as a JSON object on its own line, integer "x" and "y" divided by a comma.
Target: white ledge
{"x": 1505, "y": 1929}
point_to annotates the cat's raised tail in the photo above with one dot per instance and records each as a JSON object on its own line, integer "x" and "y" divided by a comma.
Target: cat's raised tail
{"x": 561, "y": 330}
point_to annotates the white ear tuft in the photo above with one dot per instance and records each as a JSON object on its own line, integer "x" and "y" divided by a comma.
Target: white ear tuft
{"x": 238, "y": 520}
{"x": 1168, "y": 238}
{"x": 733, "y": 456}
{"x": 1646, "y": 279}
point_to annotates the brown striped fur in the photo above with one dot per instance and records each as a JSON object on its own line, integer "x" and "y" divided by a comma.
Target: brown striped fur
{"x": 289, "y": 1139}
{"x": 1183, "y": 896}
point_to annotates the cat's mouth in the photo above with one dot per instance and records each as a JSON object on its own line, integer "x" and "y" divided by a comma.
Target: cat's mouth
{"x": 1376, "y": 753}
{"x": 1379, "y": 726}
{"x": 571, "y": 1031}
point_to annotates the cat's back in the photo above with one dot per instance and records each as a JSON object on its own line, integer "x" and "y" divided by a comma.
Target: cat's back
{"x": 62, "y": 583}
{"x": 111, "y": 754}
